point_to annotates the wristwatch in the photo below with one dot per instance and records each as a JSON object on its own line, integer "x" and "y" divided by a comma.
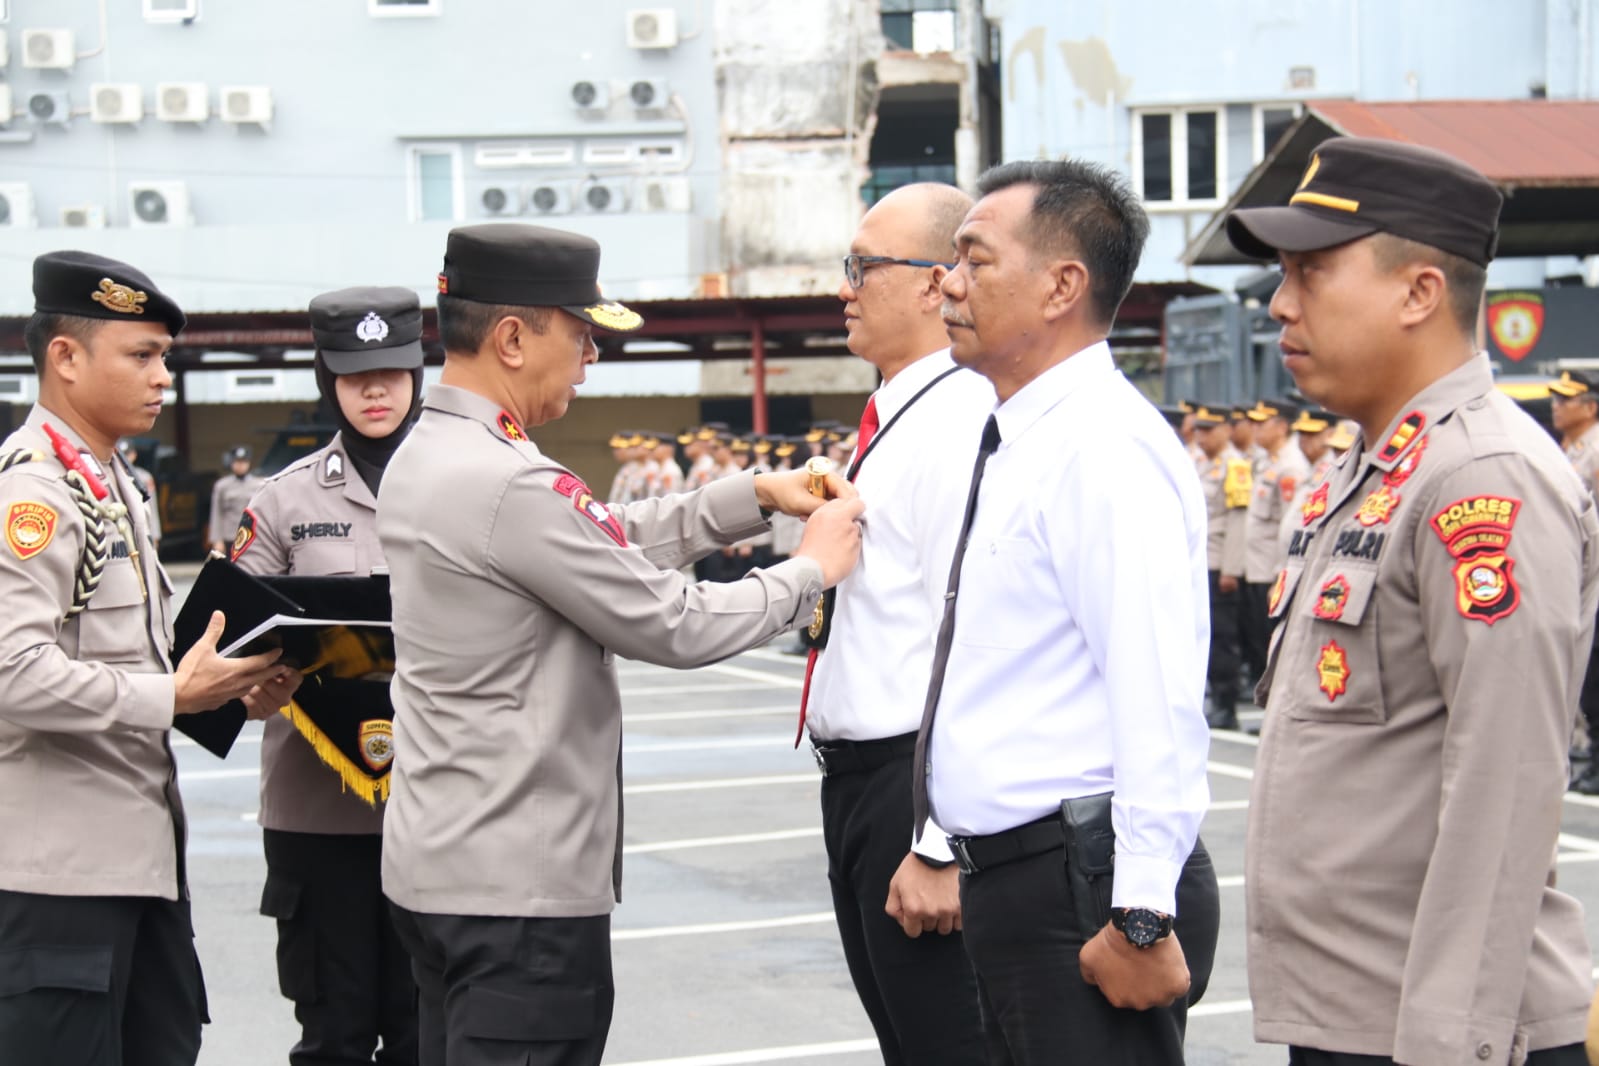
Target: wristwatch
{"x": 1142, "y": 927}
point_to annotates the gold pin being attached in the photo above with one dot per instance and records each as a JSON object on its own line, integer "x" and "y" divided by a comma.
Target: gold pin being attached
{"x": 818, "y": 467}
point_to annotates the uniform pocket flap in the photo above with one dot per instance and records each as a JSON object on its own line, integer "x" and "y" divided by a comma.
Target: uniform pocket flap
{"x": 280, "y": 898}
{"x": 78, "y": 969}
{"x": 528, "y": 1013}
{"x": 119, "y": 587}
{"x": 1340, "y": 595}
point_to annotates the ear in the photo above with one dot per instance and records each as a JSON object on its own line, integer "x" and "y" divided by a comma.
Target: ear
{"x": 931, "y": 296}
{"x": 66, "y": 356}
{"x": 1067, "y": 290}
{"x": 1427, "y": 296}
{"x": 509, "y": 337}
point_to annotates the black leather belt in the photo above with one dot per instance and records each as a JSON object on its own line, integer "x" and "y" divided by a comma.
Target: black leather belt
{"x": 855, "y": 756}
{"x": 984, "y": 853}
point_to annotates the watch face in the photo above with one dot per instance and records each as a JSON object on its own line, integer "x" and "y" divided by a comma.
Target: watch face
{"x": 1142, "y": 927}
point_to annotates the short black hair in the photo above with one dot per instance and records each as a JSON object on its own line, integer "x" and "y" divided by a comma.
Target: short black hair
{"x": 1085, "y": 210}
{"x": 464, "y": 324}
{"x": 45, "y": 326}
{"x": 1464, "y": 279}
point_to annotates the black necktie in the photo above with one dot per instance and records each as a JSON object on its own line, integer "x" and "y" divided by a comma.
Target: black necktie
{"x": 946, "y": 630}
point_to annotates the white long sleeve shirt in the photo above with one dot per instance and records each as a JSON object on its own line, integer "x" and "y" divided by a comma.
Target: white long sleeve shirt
{"x": 871, "y": 681}
{"x": 1082, "y": 628}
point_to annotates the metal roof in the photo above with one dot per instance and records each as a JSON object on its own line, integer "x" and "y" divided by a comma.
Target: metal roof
{"x": 1544, "y": 154}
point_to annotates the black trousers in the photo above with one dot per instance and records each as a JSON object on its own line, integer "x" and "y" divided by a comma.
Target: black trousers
{"x": 98, "y": 981}
{"x": 1571, "y": 1055}
{"x": 1223, "y": 670}
{"x": 920, "y": 994}
{"x": 1023, "y": 937}
{"x": 1254, "y": 627}
{"x": 510, "y": 991}
{"x": 1588, "y": 697}
{"x": 339, "y": 958}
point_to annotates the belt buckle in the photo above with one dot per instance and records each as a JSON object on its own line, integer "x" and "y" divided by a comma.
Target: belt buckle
{"x": 963, "y": 857}
{"x": 821, "y": 762}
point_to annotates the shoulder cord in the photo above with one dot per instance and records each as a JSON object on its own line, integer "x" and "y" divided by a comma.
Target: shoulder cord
{"x": 96, "y": 544}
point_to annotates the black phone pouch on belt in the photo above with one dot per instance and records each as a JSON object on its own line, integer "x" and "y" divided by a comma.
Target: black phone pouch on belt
{"x": 1090, "y": 859}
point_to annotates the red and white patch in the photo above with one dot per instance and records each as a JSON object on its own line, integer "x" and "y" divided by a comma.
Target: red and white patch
{"x": 30, "y": 527}
{"x": 1406, "y": 465}
{"x": 592, "y": 509}
{"x": 245, "y": 536}
{"x": 1315, "y": 504}
{"x": 1286, "y": 485}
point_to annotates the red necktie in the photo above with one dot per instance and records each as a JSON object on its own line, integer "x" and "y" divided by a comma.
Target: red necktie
{"x": 863, "y": 437}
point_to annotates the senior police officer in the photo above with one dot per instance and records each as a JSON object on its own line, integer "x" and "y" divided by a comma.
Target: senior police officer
{"x": 339, "y": 958}
{"x": 230, "y": 495}
{"x": 514, "y": 587}
{"x": 1574, "y": 410}
{"x": 1407, "y": 792}
{"x": 97, "y": 960}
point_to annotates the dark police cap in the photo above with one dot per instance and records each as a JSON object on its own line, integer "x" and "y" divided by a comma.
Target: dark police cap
{"x": 1574, "y": 383}
{"x": 239, "y": 453}
{"x": 531, "y": 266}
{"x": 92, "y": 286}
{"x": 370, "y": 327}
{"x": 1357, "y": 186}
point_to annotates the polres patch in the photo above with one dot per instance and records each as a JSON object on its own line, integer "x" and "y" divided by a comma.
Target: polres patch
{"x": 30, "y": 526}
{"x": 592, "y": 509}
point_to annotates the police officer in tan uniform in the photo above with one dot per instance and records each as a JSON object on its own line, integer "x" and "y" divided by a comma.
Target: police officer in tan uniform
{"x": 1575, "y": 413}
{"x": 1311, "y": 430}
{"x": 1224, "y": 475}
{"x": 1278, "y": 472}
{"x": 514, "y": 588}
{"x": 1436, "y": 614}
{"x": 339, "y": 959}
{"x": 230, "y": 495}
{"x": 97, "y": 960}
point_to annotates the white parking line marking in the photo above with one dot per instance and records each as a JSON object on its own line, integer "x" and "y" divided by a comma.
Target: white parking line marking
{"x": 721, "y": 782}
{"x": 1227, "y": 769}
{"x": 722, "y": 927}
{"x": 765, "y": 1054}
{"x": 673, "y": 690}
{"x": 688, "y": 716}
{"x": 1577, "y": 843}
{"x": 763, "y": 676}
{"x": 717, "y": 842}
{"x": 706, "y": 744}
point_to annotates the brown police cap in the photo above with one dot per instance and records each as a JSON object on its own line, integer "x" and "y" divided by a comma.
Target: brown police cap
{"x": 1573, "y": 383}
{"x": 531, "y": 266}
{"x": 1357, "y": 186}
{"x": 92, "y": 286}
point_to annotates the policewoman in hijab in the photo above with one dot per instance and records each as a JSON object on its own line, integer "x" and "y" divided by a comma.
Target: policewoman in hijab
{"x": 322, "y": 793}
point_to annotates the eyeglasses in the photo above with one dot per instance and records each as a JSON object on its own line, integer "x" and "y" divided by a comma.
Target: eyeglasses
{"x": 855, "y": 266}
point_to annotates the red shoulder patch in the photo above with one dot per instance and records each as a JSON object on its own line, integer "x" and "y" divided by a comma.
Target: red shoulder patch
{"x": 570, "y": 485}
{"x": 592, "y": 509}
{"x": 1286, "y": 485}
{"x": 30, "y": 526}
{"x": 1476, "y": 531}
{"x": 245, "y": 536}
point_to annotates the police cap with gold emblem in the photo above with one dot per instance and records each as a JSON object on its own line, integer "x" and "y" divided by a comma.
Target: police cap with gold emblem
{"x": 1357, "y": 186}
{"x": 1207, "y": 416}
{"x": 1572, "y": 384}
{"x": 92, "y": 286}
{"x": 370, "y": 327}
{"x": 531, "y": 266}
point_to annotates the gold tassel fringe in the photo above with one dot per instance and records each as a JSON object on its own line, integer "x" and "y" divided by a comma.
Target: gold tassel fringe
{"x": 355, "y": 779}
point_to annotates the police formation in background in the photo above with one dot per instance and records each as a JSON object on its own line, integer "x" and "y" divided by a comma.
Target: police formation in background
{"x": 97, "y": 956}
{"x": 339, "y": 958}
{"x": 230, "y": 495}
{"x": 1436, "y": 616}
{"x": 1575, "y": 414}
{"x": 514, "y": 588}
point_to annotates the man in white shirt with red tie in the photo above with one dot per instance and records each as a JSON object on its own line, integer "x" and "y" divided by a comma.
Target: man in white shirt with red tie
{"x": 897, "y": 907}
{"x": 1063, "y": 741}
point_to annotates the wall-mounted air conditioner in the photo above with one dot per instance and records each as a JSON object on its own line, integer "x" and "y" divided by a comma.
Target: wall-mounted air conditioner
{"x": 652, "y": 27}
{"x": 83, "y": 216}
{"x": 664, "y": 194}
{"x": 50, "y": 105}
{"x": 120, "y": 102}
{"x": 182, "y": 101}
{"x": 609, "y": 153}
{"x": 247, "y": 103}
{"x": 591, "y": 95}
{"x": 158, "y": 203}
{"x": 16, "y": 206}
{"x": 603, "y": 196}
{"x": 649, "y": 94}
{"x": 549, "y": 199}
{"x": 501, "y": 200}
{"x": 48, "y": 49}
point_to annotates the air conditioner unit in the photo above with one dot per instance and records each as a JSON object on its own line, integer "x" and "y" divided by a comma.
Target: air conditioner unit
{"x": 550, "y": 199}
{"x": 652, "y": 27}
{"x": 591, "y": 95}
{"x": 16, "y": 206}
{"x": 603, "y": 197}
{"x": 48, "y": 49}
{"x": 158, "y": 203}
{"x": 649, "y": 94}
{"x": 5, "y": 49}
{"x": 182, "y": 101}
{"x": 247, "y": 103}
{"x": 52, "y": 106}
{"x": 6, "y": 104}
{"x": 501, "y": 200}
{"x": 664, "y": 194}
{"x": 86, "y": 216}
{"x": 121, "y": 102}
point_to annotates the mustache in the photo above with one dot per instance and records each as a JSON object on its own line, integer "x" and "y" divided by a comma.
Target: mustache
{"x": 947, "y": 312}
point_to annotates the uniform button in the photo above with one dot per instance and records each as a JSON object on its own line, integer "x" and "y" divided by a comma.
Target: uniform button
{"x": 1477, "y": 405}
{"x": 1484, "y": 1049}
{"x": 927, "y": 769}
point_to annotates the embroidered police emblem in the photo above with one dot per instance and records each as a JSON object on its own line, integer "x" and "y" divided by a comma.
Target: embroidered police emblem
{"x": 372, "y": 329}
{"x": 1487, "y": 591}
{"x": 1275, "y": 599}
{"x": 1332, "y": 599}
{"x": 119, "y": 298}
{"x": 29, "y": 528}
{"x": 245, "y": 536}
{"x": 1332, "y": 670}
{"x": 1378, "y": 507}
{"x": 613, "y": 316}
{"x": 377, "y": 743}
{"x": 1315, "y": 504}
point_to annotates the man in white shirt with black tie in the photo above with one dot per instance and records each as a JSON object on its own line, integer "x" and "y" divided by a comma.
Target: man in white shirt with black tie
{"x": 1065, "y": 705}
{"x": 918, "y": 990}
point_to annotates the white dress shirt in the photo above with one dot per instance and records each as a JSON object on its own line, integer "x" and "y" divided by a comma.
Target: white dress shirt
{"x": 871, "y": 681}
{"x": 1082, "y": 628}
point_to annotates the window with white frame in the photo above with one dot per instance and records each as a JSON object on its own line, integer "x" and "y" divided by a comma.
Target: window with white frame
{"x": 1179, "y": 157}
{"x": 403, "y": 8}
{"x": 171, "y": 10}
{"x": 435, "y": 186}
{"x": 1270, "y": 122}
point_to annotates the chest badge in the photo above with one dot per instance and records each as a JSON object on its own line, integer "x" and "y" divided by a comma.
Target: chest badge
{"x": 1378, "y": 507}
{"x": 377, "y": 743}
{"x": 372, "y": 329}
{"x": 1332, "y": 599}
{"x": 1315, "y": 504}
{"x": 30, "y": 527}
{"x": 1332, "y": 670}
{"x": 511, "y": 427}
